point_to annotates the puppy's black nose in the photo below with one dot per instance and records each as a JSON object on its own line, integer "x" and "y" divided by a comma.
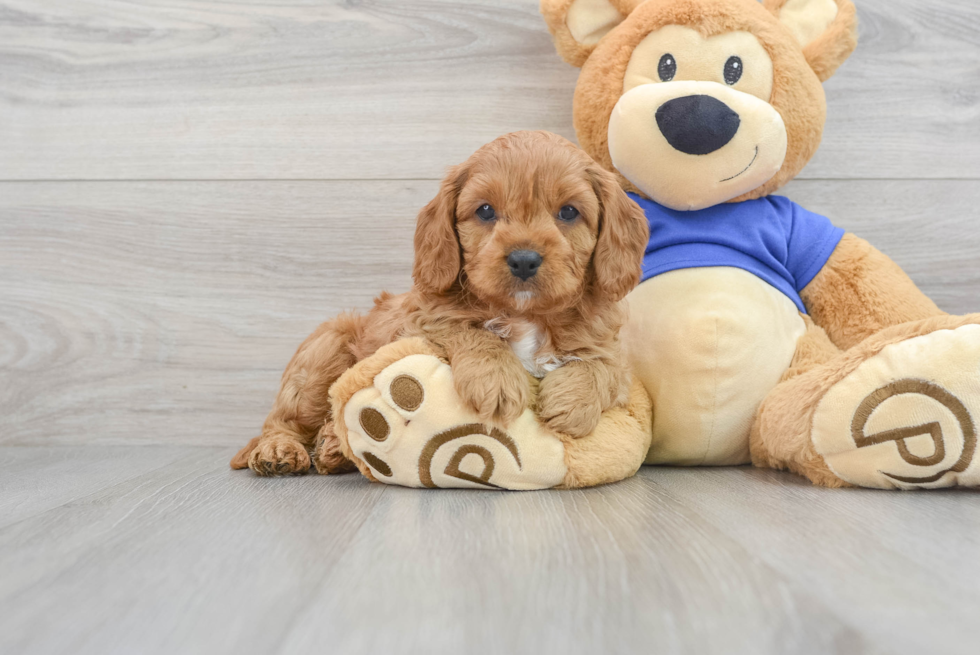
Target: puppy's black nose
{"x": 524, "y": 263}
{"x": 697, "y": 125}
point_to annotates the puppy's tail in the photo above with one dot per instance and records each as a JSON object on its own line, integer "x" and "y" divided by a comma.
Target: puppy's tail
{"x": 240, "y": 461}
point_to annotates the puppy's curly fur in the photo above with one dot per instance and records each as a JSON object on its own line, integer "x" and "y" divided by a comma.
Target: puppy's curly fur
{"x": 561, "y": 324}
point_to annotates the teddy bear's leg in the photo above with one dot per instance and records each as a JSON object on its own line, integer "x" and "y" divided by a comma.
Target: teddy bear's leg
{"x": 898, "y": 410}
{"x": 398, "y": 418}
{"x": 780, "y": 433}
{"x": 615, "y": 450}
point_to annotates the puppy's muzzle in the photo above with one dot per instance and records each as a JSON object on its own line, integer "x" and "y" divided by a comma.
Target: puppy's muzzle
{"x": 524, "y": 264}
{"x": 697, "y": 125}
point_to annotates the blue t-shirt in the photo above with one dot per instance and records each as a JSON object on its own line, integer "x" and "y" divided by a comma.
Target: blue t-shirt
{"x": 772, "y": 237}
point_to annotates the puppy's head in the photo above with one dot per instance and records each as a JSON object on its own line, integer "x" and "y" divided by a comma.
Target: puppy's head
{"x": 530, "y": 223}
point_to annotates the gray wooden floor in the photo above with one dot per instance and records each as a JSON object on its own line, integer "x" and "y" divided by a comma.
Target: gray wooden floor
{"x": 188, "y": 187}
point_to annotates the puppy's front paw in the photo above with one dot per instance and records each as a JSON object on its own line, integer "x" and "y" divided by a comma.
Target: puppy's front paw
{"x": 499, "y": 393}
{"x": 567, "y": 403}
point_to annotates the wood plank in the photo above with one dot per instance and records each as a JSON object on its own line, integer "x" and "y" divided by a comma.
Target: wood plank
{"x": 194, "y": 558}
{"x": 184, "y": 90}
{"x": 901, "y": 567}
{"x": 618, "y": 569}
{"x": 105, "y": 89}
{"x": 164, "y": 313}
{"x": 891, "y": 113}
{"x": 149, "y": 313}
{"x": 36, "y": 479}
{"x": 189, "y": 558}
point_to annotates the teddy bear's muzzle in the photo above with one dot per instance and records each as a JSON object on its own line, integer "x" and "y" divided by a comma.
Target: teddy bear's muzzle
{"x": 691, "y": 144}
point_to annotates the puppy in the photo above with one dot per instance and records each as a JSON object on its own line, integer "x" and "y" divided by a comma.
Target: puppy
{"x": 521, "y": 262}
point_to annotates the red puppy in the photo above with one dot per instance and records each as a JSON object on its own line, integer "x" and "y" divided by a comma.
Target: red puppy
{"x": 521, "y": 261}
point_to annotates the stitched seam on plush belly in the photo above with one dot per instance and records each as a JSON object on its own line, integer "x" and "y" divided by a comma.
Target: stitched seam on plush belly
{"x": 714, "y": 400}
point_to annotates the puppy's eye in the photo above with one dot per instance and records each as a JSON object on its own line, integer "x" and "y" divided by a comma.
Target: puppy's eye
{"x": 667, "y": 68}
{"x": 486, "y": 213}
{"x": 568, "y": 213}
{"x": 733, "y": 70}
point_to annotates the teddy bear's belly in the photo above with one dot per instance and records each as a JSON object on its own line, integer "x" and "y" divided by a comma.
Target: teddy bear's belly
{"x": 708, "y": 344}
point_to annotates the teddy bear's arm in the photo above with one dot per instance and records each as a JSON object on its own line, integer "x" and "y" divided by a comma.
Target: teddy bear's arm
{"x": 860, "y": 291}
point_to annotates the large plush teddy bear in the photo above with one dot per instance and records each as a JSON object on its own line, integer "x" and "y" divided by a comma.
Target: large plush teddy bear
{"x": 761, "y": 333}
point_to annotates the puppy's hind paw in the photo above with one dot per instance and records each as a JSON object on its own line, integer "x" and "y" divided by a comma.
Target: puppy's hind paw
{"x": 328, "y": 458}
{"x": 279, "y": 455}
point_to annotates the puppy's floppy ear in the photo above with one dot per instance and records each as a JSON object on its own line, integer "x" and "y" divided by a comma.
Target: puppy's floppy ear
{"x": 825, "y": 29}
{"x": 623, "y": 236}
{"x": 437, "y": 256}
{"x": 578, "y": 25}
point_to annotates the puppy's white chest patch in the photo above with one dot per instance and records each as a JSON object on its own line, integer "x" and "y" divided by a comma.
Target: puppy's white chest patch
{"x": 526, "y": 339}
{"x": 525, "y": 342}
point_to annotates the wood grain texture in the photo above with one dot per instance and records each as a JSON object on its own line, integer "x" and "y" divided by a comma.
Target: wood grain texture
{"x": 165, "y": 313}
{"x": 190, "y": 557}
{"x": 846, "y": 548}
{"x": 110, "y": 89}
{"x": 145, "y": 313}
{"x": 41, "y": 478}
{"x": 144, "y": 325}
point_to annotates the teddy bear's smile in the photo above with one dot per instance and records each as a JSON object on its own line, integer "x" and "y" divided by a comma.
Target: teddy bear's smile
{"x": 744, "y": 170}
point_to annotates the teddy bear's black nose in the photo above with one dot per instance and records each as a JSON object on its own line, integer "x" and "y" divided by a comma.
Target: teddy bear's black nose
{"x": 524, "y": 263}
{"x": 697, "y": 125}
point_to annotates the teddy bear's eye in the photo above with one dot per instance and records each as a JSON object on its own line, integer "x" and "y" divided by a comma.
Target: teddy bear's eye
{"x": 733, "y": 70}
{"x": 486, "y": 213}
{"x": 667, "y": 68}
{"x": 568, "y": 213}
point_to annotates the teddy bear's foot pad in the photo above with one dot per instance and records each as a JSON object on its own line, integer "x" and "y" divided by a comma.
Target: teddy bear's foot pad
{"x": 907, "y": 417}
{"x": 412, "y": 430}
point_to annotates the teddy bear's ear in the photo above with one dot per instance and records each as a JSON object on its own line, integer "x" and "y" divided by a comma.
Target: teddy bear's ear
{"x": 826, "y": 29}
{"x": 578, "y": 25}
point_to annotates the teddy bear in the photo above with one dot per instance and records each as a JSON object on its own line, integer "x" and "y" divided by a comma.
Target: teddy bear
{"x": 760, "y": 333}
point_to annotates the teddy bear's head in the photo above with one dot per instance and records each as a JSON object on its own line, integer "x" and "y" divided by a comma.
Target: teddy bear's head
{"x": 698, "y": 102}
